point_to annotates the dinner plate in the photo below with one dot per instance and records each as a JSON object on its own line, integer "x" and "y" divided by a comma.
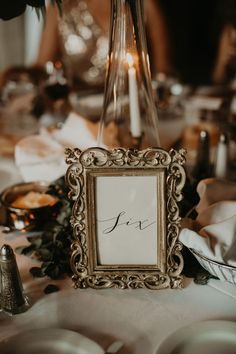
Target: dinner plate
{"x": 49, "y": 341}
{"x": 218, "y": 337}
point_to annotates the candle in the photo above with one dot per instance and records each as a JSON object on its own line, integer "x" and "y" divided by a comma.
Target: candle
{"x": 135, "y": 119}
{"x": 222, "y": 158}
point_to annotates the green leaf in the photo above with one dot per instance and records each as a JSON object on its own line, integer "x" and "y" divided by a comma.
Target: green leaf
{"x": 62, "y": 216}
{"x": 53, "y": 271}
{"x": 37, "y": 272}
{"x": 45, "y": 265}
{"x": 45, "y": 254}
{"x": 51, "y": 288}
{"x": 36, "y": 241}
{"x": 27, "y": 251}
{"x": 20, "y": 249}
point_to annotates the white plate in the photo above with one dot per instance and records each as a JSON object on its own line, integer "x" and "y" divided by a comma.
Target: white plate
{"x": 218, "y": 337}
{"x": 49, "y": 341}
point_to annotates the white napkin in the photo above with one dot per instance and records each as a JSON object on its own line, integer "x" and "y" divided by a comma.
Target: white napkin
{"x": 39, "y": 157}
{"x": 76, "y": 132}
{"x": 213, "y": 190}
{"x": 213, "y": 234}
{"x": 82, "y": 133}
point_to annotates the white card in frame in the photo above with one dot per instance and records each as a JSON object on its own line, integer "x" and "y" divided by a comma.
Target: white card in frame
{"x": 125, "y": 217}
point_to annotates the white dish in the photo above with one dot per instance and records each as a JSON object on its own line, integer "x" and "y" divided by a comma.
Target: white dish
{"x": 207, "y": 337}
{"x": 49, "y": 341}
{"x": 222, "y": 271}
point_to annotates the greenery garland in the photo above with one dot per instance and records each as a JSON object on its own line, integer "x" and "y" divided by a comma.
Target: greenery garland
{"x": 52, "y": 246}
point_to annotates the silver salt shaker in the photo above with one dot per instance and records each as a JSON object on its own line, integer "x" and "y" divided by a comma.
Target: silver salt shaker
{"x": 13, "y": 299}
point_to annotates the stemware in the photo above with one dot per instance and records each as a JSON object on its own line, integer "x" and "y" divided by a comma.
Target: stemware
{"x": 128, "y": 98}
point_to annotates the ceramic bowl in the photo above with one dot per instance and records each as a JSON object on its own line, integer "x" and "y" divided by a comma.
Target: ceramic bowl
{"x": 222, "y": 271}
{"x": 25, "y": 218}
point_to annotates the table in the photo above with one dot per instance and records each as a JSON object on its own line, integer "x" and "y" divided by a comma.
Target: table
{"x": 142, "y": 319}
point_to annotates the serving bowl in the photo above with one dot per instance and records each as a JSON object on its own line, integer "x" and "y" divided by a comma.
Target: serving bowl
{"x": 19, "y": 218}
{"x": 222, "y": 271}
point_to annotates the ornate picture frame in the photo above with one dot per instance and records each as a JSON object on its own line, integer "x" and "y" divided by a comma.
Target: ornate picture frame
{"x": 125, "y": 217}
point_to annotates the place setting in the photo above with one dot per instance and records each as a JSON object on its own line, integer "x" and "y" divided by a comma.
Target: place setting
{"x": 55, "y": 340}
{"x": 207, "y": 337}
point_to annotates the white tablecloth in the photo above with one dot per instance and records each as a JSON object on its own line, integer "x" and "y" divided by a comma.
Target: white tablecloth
{"x": 140, "y": 318}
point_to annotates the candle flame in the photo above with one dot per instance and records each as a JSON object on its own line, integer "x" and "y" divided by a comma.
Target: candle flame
{"x": 130, "y": 60}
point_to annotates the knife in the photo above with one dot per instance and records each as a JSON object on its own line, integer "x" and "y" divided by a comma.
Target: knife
{"x": 114, "y": 347}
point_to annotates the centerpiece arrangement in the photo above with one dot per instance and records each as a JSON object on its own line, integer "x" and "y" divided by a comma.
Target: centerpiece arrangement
{"x": 117, "y": 242}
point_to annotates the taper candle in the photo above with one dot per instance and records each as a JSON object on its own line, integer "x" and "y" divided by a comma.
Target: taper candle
{"x": 135, "y": 119}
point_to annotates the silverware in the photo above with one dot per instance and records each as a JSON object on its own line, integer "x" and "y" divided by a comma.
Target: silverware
{"x": 114, "y": 347}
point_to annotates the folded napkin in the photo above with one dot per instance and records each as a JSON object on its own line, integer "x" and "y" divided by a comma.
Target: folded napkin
{"x": 213, "y": 190}
{"x": 213, "y": 233}
{"x": 82, "y": 133}
{"x": 39, "y": 157}
{"x": 76, "y": 132}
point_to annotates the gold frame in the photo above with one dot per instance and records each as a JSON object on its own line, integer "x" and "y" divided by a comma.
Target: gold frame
{"x": 84, "y": 168}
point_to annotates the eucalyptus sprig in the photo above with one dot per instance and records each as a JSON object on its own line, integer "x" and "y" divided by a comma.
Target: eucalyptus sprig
{"x": 52, "y": 246}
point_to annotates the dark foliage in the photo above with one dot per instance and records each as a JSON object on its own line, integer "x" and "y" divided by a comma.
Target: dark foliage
{"x": 52, "y": 247}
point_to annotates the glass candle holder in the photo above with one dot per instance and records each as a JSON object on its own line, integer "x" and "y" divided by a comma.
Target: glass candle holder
{"x": 129, "y": 113}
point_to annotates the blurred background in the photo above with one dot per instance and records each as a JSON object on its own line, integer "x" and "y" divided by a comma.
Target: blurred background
{"x": 50, "y": 67}
{"x": 180, "y": 35}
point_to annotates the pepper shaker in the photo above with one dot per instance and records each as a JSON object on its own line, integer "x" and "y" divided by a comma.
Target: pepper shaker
{"x": 13, "y": 300}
